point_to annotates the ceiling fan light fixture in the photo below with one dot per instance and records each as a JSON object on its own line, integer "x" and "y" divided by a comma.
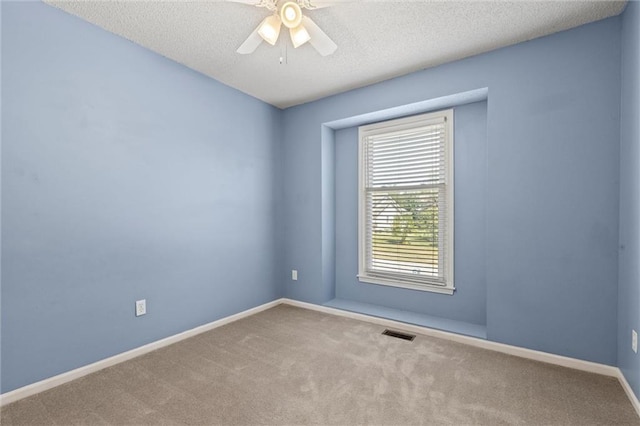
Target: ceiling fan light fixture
{"x": 299, "y": 35}
{"x": 270, "y": 29}
{"x": 291, "y": 14}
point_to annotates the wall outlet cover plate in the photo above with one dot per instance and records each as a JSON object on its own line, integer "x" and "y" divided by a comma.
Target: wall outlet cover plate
{"x": 141, "y": 307}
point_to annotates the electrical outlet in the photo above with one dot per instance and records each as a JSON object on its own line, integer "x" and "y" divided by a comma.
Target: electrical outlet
{"x": 294, "y": 275}
{"x": 634, "y": 341}
{"x": 141, "y": 307}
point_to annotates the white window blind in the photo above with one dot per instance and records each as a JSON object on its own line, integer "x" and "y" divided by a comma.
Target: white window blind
{"x": 406, "y": 202}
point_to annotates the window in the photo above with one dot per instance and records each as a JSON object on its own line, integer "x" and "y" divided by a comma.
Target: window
{"x": 406, "y": 202}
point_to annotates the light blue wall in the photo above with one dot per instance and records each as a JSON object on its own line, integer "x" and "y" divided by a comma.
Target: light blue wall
{"x": 124, "y": 176}
{"x": 469, "y": 303}
{"x": 551, "y": 186}
{"x": 629, "y": 258}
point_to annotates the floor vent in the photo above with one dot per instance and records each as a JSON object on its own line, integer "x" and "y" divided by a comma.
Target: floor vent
{"x": 399, "y": 335}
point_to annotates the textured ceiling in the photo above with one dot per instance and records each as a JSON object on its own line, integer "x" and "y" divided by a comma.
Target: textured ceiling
{"x": 376, "y": 40}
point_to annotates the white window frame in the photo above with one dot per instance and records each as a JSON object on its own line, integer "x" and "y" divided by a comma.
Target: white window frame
{"x": 392, "y": 126}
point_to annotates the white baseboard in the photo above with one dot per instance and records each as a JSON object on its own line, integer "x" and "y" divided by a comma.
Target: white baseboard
{"x": 627, "y": 388}
{"x": 563, "y": 361}
{"x": 51, "y": 382}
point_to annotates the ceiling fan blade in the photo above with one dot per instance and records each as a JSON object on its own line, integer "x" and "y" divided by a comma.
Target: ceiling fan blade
{"x": 251, "y": 43}
{"x": 319, "y": 40}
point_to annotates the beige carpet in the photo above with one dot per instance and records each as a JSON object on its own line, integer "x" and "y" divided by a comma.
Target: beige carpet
{"x": 289, "y": 365}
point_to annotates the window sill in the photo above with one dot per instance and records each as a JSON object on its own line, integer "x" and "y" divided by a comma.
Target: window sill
{"x": 420, "y": 287}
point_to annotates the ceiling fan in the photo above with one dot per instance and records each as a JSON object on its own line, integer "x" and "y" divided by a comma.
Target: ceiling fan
{"x": 288, "y": 13}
